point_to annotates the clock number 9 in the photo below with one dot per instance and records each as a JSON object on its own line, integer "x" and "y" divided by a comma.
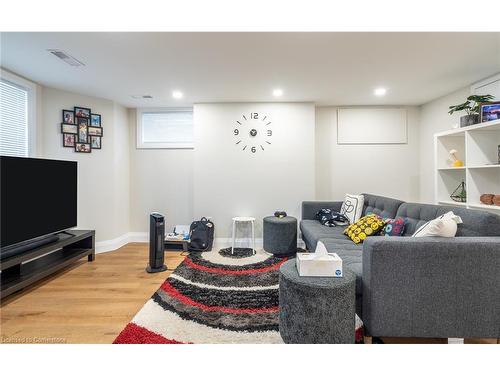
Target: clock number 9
{"x": 254, "y": 115}
{"x": 236, "y": 132}
{"x": 253, "y": 149}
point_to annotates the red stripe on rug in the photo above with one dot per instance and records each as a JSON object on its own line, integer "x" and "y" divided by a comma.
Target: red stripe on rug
{"x": 134, "y": 334}
{"x": 174, "y": 293}
{"x": 223, "y": 271}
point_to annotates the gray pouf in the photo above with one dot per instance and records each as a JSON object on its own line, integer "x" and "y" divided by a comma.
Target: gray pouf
{"x": 280, "y": 235}
{"x": 316, "y": 310}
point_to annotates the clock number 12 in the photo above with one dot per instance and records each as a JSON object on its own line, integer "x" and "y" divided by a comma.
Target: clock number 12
{"x": 254, "y": 115}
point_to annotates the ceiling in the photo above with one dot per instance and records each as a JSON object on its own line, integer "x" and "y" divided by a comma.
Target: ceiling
{"x": 325, "y": 68}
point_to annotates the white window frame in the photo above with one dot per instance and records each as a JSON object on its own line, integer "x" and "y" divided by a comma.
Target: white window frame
{"x": 31, "y": 88}
{"x": 159, "y": 145}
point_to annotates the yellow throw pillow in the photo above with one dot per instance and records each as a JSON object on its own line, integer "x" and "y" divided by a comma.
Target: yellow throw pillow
{"x": 366, "y": 226}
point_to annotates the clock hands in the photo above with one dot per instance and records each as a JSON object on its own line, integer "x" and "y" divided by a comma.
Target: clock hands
{"x": 253, "y": 133}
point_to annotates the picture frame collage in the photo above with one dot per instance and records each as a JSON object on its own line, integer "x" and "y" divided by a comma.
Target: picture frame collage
{"x": 82, "y": 130}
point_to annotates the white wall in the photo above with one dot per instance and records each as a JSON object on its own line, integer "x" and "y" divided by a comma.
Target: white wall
{"x": 160, "y": 180}
{"x": 434, "y": 118}
{"x": 390, "y": 169}
{"x": 230, "y": 182}
{"x": 103, "y": 174}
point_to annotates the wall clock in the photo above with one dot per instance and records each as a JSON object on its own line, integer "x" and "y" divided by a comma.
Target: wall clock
{"x": 253, "y": 132}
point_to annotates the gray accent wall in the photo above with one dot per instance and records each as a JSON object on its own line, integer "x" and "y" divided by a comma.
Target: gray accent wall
{"x": 384, "y": 169}
{"x": 161, "y": 180}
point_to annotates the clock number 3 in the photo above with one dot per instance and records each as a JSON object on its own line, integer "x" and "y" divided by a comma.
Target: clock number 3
{"x": 269, "y": 132}
{"x": 254, "y": 115}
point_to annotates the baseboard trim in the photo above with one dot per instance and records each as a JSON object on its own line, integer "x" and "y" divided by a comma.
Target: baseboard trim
{"x": 111, "y": 245}
{"x": 116, "y": 243}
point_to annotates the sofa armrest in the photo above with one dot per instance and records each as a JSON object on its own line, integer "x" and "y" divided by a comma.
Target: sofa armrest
{"x": 431, "y": 286}
{"x": 310, "y": 208}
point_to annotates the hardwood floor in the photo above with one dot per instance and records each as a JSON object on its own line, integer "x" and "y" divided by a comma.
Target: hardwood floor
{"x": 91, "y": 302}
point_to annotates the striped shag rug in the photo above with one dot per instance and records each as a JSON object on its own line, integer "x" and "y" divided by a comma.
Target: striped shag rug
{"x": 212, "y": 299}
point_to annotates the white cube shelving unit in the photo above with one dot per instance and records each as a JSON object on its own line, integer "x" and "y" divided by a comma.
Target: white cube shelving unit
{"x": 477, "y": 147}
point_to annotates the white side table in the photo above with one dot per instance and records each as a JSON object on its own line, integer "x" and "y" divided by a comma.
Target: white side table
{"x": 243, "y": 219}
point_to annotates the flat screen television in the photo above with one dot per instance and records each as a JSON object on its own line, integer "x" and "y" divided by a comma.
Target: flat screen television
{"x": 38, "y": 199}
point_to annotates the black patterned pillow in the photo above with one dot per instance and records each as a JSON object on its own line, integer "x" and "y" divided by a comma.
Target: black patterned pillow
{"x": 331, "y": 218}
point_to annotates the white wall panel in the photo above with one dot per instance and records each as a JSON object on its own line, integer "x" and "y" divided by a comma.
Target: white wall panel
{"x": 371, "y": 125}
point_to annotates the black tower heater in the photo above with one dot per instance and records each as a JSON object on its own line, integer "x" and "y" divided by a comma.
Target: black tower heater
{"x": 156, "y": 244}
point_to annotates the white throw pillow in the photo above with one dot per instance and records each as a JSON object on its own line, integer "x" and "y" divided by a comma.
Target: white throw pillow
{"x": 353, "y": 207}
{"x": 443, "y": 226}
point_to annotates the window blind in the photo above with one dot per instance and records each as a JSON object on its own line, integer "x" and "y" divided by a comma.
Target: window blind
{"x": 13, "y": 119}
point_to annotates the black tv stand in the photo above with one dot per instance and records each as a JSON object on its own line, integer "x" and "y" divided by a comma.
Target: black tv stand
{"x": 10, "y": 251}
{"x": 22, "y": 270}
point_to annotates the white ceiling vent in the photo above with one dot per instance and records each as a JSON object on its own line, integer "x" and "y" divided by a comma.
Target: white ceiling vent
{"x": 141, "y": 96}
{"x": 65, "y": 57}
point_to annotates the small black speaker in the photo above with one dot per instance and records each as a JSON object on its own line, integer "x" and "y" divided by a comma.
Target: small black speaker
{"x": 156, "y": 243}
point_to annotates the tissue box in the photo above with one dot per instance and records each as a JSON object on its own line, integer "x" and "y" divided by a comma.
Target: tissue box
{"x": 327, "y": 265}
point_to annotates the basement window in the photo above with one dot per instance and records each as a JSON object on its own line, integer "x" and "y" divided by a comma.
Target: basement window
{"x": 17, "y": 115}
{"x": 165, "y": 128}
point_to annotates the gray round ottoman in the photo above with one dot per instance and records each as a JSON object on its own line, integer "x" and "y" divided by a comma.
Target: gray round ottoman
{"x": 280, "y": 235}
{"x": 316, "y": 310}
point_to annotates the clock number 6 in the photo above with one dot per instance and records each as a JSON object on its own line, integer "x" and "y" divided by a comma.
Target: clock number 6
{"x": 236, "y": 132}
{"x": 253, "y": 149}
{"x": 254, "y": 115}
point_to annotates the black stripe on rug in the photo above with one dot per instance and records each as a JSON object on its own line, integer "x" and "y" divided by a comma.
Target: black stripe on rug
{"x": 248, "y": 322}
{"x": 248, "y": 299}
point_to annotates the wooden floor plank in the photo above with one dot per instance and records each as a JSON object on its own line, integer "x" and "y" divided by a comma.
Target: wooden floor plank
{"x": 88, "y": 302}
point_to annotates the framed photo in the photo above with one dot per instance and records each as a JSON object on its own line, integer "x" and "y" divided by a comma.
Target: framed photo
{"x": 68, "y": 116}
{"x": 82, "y": 147}
{"x": 82, "y": 112}
{"x": 490, "y": 111}
{"x": 95, "y": 142}
{"x": 69, "y": 140}
{"x": 82, "y": 120}
{"x": 82, "y": 133}
{"x": 95, "y": 130}
{"x": 69, "y": 128}
{"x": 95, "y": 119}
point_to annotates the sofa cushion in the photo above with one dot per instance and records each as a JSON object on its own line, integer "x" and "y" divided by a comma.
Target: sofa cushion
{"x": 442, "y": 226}
{"x": 382, "y": 206}
{"x": 313, "y": 230}
{"x": 353, "y": 207}
{"x": 366, "y": 226}
{"x": 394, "y": 227}
{"x": 476, "y": 223}
{"x": 351, "y": 255}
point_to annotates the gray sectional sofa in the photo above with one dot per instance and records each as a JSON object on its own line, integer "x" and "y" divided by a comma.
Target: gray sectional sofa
{"x": 419, "y": 287}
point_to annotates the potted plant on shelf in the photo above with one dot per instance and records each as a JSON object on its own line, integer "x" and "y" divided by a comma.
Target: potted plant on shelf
{"x": 471, "y": 107}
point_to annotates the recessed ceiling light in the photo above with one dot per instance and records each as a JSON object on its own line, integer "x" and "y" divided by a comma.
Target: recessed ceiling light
{"x": 277, "y": 92}
{"x": 177, "y": 94}
{"x": 381, "y": 91}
